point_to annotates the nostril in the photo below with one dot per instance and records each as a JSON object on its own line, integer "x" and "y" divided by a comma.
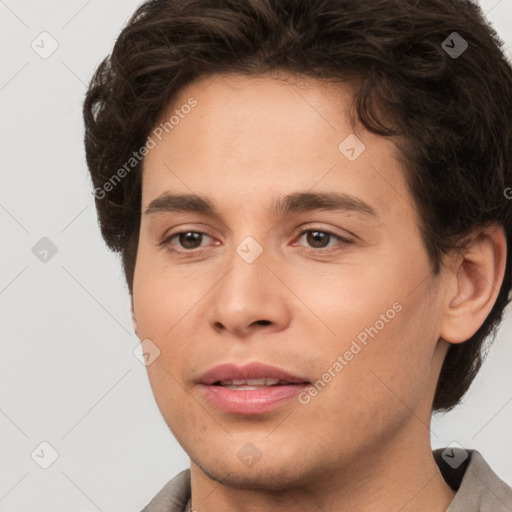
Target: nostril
{"x": 263, "y": 322}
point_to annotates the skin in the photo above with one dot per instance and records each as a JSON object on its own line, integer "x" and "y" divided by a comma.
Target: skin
{"x": 363, "y": 442}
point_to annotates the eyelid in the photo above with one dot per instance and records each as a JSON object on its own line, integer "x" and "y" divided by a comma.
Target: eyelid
{"x": 180, "y": 228}
{"x": 349, "y": 238}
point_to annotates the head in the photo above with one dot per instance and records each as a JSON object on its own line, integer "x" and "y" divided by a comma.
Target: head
{"x": 247, "y": 124}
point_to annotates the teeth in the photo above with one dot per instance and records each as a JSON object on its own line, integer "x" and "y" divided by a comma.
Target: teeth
{"x": 236, "y": 383}
{"x": 242, "y": 388}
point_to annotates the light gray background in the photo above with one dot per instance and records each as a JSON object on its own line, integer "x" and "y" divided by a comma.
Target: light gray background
{"x": 68, "y": 373}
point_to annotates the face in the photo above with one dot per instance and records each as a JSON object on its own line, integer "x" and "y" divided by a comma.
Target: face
{"x": 305, "y": 255}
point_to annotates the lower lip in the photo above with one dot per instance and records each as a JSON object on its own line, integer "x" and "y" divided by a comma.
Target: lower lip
{"x": 251, "y": 401}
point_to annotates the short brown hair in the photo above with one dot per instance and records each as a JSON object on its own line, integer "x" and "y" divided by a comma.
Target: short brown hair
{"x": 454, "y": 112}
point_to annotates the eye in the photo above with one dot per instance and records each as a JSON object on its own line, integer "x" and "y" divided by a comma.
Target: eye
{"x": 187, "y": 240}
{"x": 320, "y": 239}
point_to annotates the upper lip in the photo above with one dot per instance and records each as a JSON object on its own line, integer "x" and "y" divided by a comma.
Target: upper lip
{"x": 254, "y": 370}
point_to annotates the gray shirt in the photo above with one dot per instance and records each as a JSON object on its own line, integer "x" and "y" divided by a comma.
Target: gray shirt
{"x": 478, "y": 488}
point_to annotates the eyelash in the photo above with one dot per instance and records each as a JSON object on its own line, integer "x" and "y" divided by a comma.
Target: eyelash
{"x": 167, "y": 241}
{"x": 330, "y": 234}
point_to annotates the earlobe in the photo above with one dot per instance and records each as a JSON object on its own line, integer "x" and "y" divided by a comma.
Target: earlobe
{"x": 478, "y": 275}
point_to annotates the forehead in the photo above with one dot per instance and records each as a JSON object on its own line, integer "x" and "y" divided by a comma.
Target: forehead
{"x": 246, "y": 137}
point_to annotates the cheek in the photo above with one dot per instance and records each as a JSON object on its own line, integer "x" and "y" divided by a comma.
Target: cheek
{"x": 165, "y": 296}
{"x": 380, "y": 382}
{"x": 396, "y": 361}
{"x": 382, "y": 349}
{"x": 346, "y": 302}
{"x": 161, "y": 314}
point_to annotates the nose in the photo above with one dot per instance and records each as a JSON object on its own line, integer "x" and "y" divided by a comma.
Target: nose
{"x": 249, "y": 298}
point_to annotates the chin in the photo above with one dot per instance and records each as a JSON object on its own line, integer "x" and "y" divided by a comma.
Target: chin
{"x": 265, "y": 478}
{"x": 271, "y": 475}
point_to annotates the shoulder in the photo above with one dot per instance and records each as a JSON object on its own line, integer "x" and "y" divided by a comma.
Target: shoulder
{"x": 478, "y": 487}
{"x": 173, "y": 496}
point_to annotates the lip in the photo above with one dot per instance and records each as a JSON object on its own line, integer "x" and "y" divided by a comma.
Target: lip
{"x": 246, "y": 401}
{"x": 253, "y": 370}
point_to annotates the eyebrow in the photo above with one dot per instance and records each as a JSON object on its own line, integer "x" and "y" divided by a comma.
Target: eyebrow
{"x": 306, "y": 201}
{"x": 292, "y": 203}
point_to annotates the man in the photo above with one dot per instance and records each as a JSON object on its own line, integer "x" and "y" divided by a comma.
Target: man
{"x": 309, "y": 200}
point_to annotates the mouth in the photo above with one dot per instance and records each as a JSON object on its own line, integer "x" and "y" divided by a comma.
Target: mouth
{"x": 247, "y": 384}
{"x": 255, "y": 388}
{"x": 251, "y": 374}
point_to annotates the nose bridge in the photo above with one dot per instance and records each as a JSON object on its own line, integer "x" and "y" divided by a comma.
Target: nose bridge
{"x": 251, "y": 245}
{"x": 248, "y": 295}
{"x": 246, "y": 282}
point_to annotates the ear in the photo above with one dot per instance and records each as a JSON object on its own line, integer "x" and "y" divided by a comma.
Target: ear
{"x": 134, "y": 320}
{"x": 474, "y": 279}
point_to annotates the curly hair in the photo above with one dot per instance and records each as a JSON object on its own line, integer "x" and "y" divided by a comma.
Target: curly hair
{"x": 450, "y": 114}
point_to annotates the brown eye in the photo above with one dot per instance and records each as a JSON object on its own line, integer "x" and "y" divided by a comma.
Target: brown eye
{"x": 188, "y": 242}
{"x": 318, "y": 239}
{"x": 190, "y": 239}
